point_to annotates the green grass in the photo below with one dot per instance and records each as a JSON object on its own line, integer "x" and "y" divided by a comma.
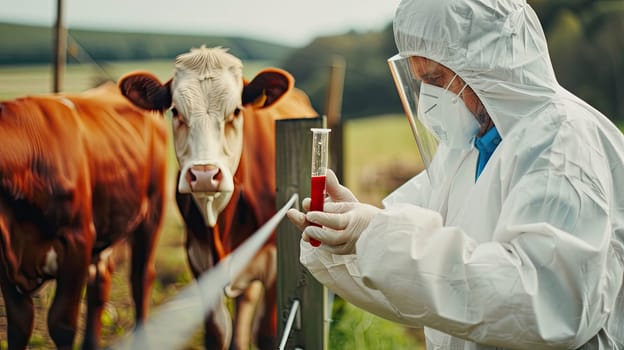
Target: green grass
{"x": 354, "y": 328}
{"x": 380, "y": 153}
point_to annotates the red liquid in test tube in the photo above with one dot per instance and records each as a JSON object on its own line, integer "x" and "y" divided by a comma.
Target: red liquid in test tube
{"x": 320, "y": 156}
{"x": 317, "y": 192}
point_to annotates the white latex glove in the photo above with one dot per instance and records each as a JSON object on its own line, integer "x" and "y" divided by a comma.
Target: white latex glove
{"x": 342, "y": 223}
{"x": 335, "y": 192}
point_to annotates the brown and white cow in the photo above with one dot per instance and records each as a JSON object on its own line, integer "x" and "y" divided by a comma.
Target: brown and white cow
{"x": 78, "y": 173}
{"x": 224, "y": 137}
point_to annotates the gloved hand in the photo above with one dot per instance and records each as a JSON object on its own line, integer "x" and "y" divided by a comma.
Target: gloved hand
{"x": 342, "y": 223}
{"x": 336, "y": 193}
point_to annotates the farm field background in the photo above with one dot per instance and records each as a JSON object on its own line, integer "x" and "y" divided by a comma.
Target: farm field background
{"x": 380, "y": 154}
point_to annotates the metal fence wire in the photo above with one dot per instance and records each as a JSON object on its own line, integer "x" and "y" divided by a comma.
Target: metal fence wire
{"x": 171, "y": 325}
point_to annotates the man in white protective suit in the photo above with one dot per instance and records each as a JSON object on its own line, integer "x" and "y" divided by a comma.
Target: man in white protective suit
{"x": 513, "y": 237}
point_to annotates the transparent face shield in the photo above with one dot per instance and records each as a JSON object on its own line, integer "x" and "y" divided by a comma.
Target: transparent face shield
{"x": 407, "y": 73}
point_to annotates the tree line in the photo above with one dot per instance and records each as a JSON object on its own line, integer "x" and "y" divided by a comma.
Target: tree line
{"x": 27, "y": 44}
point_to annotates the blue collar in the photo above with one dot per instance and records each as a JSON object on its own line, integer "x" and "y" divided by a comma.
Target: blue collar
{"x": 486, "y": 145}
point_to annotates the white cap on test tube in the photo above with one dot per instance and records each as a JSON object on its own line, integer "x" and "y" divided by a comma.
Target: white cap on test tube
{"x": 320, "y": 154}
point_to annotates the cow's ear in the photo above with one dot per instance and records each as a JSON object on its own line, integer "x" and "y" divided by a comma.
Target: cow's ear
{"x": 144, "y": 90}
{"x": 267, "y": 87}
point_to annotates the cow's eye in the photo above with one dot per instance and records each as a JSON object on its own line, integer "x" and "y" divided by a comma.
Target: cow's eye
{"x": 176, "y": 117}
{"x": 235, "y": 114}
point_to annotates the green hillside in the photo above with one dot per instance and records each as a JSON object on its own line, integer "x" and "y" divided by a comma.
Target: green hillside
{"x": 24, "y": 44}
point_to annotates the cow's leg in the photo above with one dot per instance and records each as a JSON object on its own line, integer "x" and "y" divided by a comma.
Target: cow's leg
{"x": 251, "y": 313}
{"x": 19, "y": 307}
{"x": 72, "y": 276}
{"x": 20, "y": 315}
{"x": 98, "y": 292}
{"x": 246, "y": 308}
{"x": 218, "y": 323}
{"x": 143, "y": 244}
{"x": 256, "y": 317}
{"x": 266, "y": 315}
{"x": 218, "y": 327}
{"x": 267, "y": 333}
{"x": 142, "y": 272}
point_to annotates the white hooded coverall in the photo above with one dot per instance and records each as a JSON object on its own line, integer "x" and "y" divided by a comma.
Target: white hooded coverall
{"x": 531, "y": 254}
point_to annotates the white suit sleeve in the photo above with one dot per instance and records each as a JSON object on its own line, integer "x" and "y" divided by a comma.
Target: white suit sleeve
{"x": 341, "y": 274}
{"x": 549, "y": 279}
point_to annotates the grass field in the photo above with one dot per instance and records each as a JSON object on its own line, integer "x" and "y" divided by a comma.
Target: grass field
{"x": 379, "y": 154}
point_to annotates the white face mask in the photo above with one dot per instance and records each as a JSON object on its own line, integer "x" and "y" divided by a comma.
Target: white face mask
{"x": 446, "y": 116}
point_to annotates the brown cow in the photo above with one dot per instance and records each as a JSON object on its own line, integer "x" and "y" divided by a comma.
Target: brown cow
{"x": 78, "y": 173}
{"x": 224, "y": 136}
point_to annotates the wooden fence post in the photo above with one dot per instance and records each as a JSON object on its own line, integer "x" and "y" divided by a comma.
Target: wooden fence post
{"x": 333, "y": 112}
{"x": 59, "y": 47}
{"x": 294, "y": 282}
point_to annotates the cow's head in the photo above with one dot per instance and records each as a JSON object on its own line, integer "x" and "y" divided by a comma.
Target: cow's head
{"x": 208, "y": 98}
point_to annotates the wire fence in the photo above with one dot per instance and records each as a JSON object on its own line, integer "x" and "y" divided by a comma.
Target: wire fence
{"x": 173, "y": 323}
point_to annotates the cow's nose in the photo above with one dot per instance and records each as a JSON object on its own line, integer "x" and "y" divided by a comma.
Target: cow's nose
{"x": 204, "y": 178}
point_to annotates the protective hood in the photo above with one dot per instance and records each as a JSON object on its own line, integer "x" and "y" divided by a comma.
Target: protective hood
{"x": 496, "y": 46}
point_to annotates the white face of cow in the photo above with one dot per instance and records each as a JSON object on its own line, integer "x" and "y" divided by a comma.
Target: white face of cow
{"x": 208, "y": 126}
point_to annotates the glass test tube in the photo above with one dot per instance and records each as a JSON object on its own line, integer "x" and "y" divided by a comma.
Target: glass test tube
{"x": 320, "y": 155}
